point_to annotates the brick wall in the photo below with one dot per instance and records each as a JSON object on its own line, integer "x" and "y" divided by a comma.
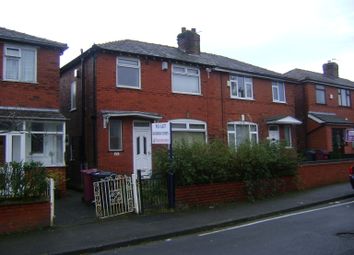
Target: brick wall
{"x": 22, "y": 217}
{"x": 44, "y": 93}
{"x": 310, "y": 176}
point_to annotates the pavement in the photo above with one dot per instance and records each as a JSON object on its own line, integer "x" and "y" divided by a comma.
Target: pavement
{"x": 78, "y": 231}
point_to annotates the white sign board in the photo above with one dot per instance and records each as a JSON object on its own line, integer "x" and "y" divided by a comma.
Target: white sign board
{"x": 161, "y": 133}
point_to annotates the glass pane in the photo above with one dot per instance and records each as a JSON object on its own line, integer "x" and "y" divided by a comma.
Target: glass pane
{"x": 320, "y": 97}
{"x": 145, "y": 149}
{"x": 241, "y": 87}
{"x": 253, "y": 128}
{"x": 188, "y": 137}
{"x": 197, "y": 126}
{"x": 193, "y": 71}
{"x": 179, "y": 125}
{"x": 242, "y": 134}
{"x": 249, "y": 90}
{"x": 128, "y": 76}
{"x": 281, "y": 92}
{"x": 12, "y": 52}
{"x": 115, "y": 133}
{"x": 16, "y": 148}
{"x": 28, "y": 65}
{"x": 254, "y": 138}
{"x": 141, "y": 124}
{"x": 12, "y": 68}
{"x": 129, "y": 62}
{"x": 275, "y": 93}
{"x": 231, "y": 127}
{"x": 138, "y": 145}
{"x": 234, "y": 88}
{"x": 188, "y": 84}
{"x": 37, "y": 145}
{"x": 59, "y": 150}
{"x": 177, "y": 69}
{"x": 231, "y": 139}
{"x": 37, "y": 126}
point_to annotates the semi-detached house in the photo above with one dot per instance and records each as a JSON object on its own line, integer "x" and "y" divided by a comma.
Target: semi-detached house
{"x": 31, "y": 126}
{"x": 114, "y": 91}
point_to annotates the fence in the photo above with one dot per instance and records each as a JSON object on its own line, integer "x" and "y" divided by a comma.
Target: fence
{"x": 156, "y": 192}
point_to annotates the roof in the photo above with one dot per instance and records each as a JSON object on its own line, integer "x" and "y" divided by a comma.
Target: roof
{"x": 329, "y": 118}
{"x": 30, "y": 113}
{"x": 14, "y": 36}
{"x": 283, "y": 119}
{"x": 173, "y": 53}
{"x": 305, "y": 76}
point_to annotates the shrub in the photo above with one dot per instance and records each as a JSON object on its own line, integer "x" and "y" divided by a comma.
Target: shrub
{"x": 22, "y": 181}
{"x": 259, "y": 166}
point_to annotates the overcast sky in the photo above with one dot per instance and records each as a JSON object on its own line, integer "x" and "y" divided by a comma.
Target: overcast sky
{"x": 277, "y": 35}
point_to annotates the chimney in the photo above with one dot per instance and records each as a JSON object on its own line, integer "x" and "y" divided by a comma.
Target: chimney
{"x": 330, "y": 69}
{"x": 189, "y": 41}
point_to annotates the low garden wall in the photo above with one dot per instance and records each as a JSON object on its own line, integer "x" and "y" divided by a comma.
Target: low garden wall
{"x": 310, "y": 175}
{"x": 24, "y": 216}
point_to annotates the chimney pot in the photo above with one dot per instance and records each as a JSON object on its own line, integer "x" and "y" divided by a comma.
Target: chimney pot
{"x": 189, "y": 41}
{"x": 330, "y": 69}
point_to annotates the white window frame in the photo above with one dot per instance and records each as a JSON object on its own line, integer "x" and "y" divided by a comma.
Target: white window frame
{"x": 20, "y": 65}
{"x": 186, "y": 74}
{"x": 188, "y": 126}
{"x": 276, "y": 97}
{"x": 121, "y": 135}
{"x": 320, "y": 89}
{"x": 137, "y": 67}
{"x": 73, "y": 96}
{"x": 242, "y": 123}
{"x": 247, "y": 82}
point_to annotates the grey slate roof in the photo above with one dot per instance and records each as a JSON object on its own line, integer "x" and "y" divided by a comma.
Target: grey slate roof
{"x": 30, "y": 113}
{"x": 173, "y": 53}
{"x": 330, "y": 118}
{"x": 14, "y": 36}
{"x": 304, "y": 76}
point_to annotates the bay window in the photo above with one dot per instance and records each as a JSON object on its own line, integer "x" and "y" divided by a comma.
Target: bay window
{"x": 240, "y": 132}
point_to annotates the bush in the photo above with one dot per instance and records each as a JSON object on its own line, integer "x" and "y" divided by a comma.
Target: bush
{"x": 22, "y": 181}
{"x": 259, "y": 166}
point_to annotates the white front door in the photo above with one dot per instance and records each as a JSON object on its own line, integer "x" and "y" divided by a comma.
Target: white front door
{"x": 12, "y": 148}
{"x": 273, "y": 132}
{"x": 142, "y": 148}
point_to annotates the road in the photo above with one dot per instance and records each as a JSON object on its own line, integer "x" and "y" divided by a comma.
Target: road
{"x": 328, "y": 229}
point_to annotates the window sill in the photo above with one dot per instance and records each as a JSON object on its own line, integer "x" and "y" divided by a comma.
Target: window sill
{"x": 243, "y": 98}
{"x": 127, "y": 87}
{"x": 280, "y": 102}
{"x": 186, "y": 93}
{"x": 73, "y": 110}
{"x": 23, "y": 82}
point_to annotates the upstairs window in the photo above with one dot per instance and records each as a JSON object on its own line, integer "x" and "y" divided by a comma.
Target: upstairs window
{"x": 278, "y": 90}
{"x": 128, "y": 73}
{"x": 344, "y": 97}
{"x": 185, "y": 80}
{"x": 20, "y": 63}
{"x": 241, "y": 87}
{"x": 73, "y": 96}
{"x": 320, "y": 94}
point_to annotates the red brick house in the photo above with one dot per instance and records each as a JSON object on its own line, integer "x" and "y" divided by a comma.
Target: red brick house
{"x": 325, "y": 105}
{"x": 31, "y": 126}
{"x": 114, "y": 91}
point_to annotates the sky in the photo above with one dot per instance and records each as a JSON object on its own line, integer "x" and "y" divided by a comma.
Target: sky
{"x": 278, "y": 35}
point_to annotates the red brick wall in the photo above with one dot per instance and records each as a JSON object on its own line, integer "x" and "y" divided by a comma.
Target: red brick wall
{"x": 310, "y": 176}
{"x": 44, "y": 93}
{"x": 320, "y": 174}
{"x": 22, "y": 217}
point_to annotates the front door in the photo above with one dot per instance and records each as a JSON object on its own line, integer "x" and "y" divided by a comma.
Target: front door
{"x": 273, "y": 132}
{"x": 142, "y": 148}
{"x": 338, "y": 140}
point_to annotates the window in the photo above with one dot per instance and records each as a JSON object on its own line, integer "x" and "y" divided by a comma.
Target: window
{"x": 189, "y": 131}
{"x": 240, "y": 132}
{"x": 241, "y": 87}
{"x": 344, "y": 97}
{"x": 320, "y": 94}
{"x": 73, "y": 96}
{"x": 185, "y": 80}
{"x": 45, "y": 142}
{"x": 128, "y": 73}
{"x": 278, "y": 90}
{"x": 20, "y": 63}
{"x": 287, "y": 136}
{"x": 115, "y": 135}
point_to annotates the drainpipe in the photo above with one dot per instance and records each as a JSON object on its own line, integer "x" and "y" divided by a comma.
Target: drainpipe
{"x": 222, "y": 108}
{"x": 94, "y": 115}
{"x": 83, "y": 114}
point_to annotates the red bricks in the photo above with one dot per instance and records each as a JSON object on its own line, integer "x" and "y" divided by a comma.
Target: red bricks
{"x": 23, "y": 217}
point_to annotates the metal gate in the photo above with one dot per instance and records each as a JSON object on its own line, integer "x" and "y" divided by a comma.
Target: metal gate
{"x": 113, "y": 196}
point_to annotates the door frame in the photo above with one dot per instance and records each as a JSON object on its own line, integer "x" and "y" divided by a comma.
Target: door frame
{"x": 273, "y": 131}
{"x": 149, "y": 145}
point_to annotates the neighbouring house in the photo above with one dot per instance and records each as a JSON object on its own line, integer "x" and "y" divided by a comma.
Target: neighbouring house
{"x": 112, "y": 93}
{"x": 31, "y": 125}
{"x": 325, "y": 105}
